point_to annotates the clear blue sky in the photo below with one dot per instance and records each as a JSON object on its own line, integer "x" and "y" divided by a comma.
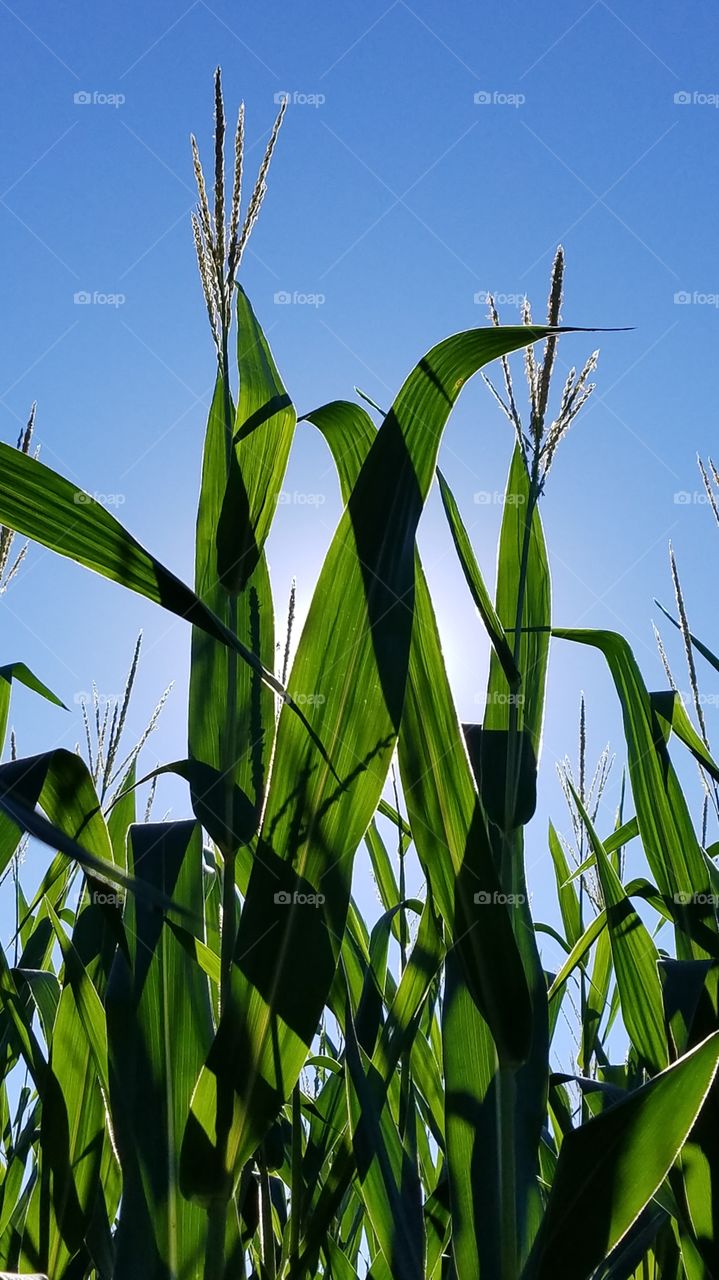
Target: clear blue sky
{"x": 396, "y": 197}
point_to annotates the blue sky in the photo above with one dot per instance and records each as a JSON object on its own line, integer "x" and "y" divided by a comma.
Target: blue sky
{"x": 394, "y": 199}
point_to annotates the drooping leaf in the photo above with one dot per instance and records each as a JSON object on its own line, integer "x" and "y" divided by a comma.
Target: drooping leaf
{"x": 669, "y": 707}
{"x": 18, "y": 671}
{"x": 44, "y": 506}
{"x": 59, "y": 781}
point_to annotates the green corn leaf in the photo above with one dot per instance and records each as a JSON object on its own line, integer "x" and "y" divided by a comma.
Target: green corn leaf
{"x": 59, "y": 781}
{"x": 228, "y": 826}
{"x": 58, "y": 1206}
{"x": 680, "y": 868}
{"x": 18, "y": 671}
{"x": 478, "y": 590}
{"x": 78, "y": 1106}
{"x": 509, "y": 752}
{"x": 442, "y": 802}
{"x": 669, "y": 707}
{"x": 439, "y": 790}
{"x": 635, "y": 960}
{"x": 387, "y": 1178}
{"x": 471, "y": 1085}
{"x": 615, "y": 840}
{"x": 610, "y": 1168}
{"x": 121, "y": 816}
{"x": 636, "y": 888}
{"x": 88, "y": 1003}
{"x": 382, "y": 868}
{"x": 231, "y": 708}
{"x": 46, "y": 507}
{"x": 159, "y": 1029}
{"x": 701, "y": 648}
{"x": 399, "y": 1035}
{"x": 353, "y": 654}
{"x": 263, "y": 432}
{"x": 568, "y": 900}
{"x": 45, "y": 991}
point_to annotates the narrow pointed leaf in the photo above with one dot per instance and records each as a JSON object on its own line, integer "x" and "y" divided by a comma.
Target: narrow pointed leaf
{"x": 478, "y": 590}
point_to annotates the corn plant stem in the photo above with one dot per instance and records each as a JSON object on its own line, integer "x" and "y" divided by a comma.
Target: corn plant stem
{"x": 506, "y": 1103}
{"x": 267, "y": 1235}
{"x": 217, "y": 1213}
{"x": 585, "y": 1063}
{"x": 506, "y": 1097}
{"x": 296, "y": 1176}
{"x": 229, "y": 913}
{"x": 16, "y": 881}
{"x": 513, "y": 750}
{"x": 215, "y": 1245}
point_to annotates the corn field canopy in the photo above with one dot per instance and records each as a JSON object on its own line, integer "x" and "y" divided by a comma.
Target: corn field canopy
{"x": 213, "y": 1064}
